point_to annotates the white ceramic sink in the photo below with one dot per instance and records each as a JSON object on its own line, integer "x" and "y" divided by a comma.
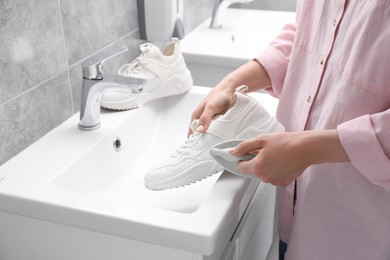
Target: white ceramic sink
{"x": 211, "y": 53}
{"x": 77, "y": 178}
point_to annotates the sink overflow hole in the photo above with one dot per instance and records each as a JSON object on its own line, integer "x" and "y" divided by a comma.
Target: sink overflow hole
{"x": 117, "y": 144}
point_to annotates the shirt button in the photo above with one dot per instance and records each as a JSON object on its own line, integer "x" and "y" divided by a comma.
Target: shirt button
{"x": 321, "y": 61}
{"x": 334, "y": 22}
{"x": 308, "y": 99}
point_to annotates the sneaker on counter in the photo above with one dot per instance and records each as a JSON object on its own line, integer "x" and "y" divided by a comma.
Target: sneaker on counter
{"x": 192, "y": 162}
{"x": 165, "y": 72}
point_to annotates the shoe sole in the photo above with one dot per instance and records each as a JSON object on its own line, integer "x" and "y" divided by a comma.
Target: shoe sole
{"x": 174, "y": 86}
{"x": 192, "y": 175}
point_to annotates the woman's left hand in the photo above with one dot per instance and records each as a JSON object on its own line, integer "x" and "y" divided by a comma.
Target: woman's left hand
{"x": 283, "y": 156}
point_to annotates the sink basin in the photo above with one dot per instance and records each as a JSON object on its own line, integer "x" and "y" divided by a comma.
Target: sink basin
{"x": 113, "y": 167}
{"x": 94, "y": 179}
{"x": 210, "y": 53}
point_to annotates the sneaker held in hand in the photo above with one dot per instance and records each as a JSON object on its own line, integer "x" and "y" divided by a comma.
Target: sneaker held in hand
{"x": 192, "y": 162}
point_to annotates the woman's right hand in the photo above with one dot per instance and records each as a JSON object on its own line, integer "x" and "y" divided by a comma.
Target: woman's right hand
{"x": 216, "y": 102}
{"x": 251, "y": 74}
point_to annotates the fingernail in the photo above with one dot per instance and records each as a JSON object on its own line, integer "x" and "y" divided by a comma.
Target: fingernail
{"x": 200, "y": 128}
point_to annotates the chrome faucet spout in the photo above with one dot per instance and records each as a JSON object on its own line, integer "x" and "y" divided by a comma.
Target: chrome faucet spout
{"x": 95, "y": 83}
{"x": 220, "y": 7}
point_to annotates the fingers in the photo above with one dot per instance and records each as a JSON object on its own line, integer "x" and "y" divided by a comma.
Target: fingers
{"x": 255, "y": 167}
{"x": 193, "y": 117}
{"x": 204, "y": 112}
{"x": 216, "y": 102}
{"x": 245, "y": 167}
{"x": 205, "y": 120}
{"x": 247, "y": 146}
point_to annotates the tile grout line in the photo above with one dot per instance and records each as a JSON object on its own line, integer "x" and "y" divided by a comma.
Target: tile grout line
{"x": 66, "y": 56}
{"x": 34, "y": 87}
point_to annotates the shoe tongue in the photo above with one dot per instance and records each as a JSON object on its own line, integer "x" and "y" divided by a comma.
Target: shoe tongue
{"x": 150, "y": 51}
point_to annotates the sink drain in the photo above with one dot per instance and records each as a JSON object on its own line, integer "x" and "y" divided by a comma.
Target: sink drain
{"x": 117, "y": 144}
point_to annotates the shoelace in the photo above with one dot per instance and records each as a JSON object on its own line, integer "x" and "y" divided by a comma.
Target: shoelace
{"x": 187, "y": 143}
{"x": 137, "y": 64}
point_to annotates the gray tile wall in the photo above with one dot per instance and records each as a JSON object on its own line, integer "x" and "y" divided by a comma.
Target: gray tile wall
{"x": 195, "y": 12}
{"x": 42, "y": 46}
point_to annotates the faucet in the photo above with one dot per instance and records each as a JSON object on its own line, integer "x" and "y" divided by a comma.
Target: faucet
{"x": 219, "y": 9}
{"x": 95, "y": 84}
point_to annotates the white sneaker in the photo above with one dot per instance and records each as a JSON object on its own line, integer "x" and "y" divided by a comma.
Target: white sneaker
{"x": 165, "y": 72}
{"x": 192, "y": 162}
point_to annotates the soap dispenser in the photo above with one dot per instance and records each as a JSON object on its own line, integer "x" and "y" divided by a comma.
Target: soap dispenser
{"x": 160, "y": 20}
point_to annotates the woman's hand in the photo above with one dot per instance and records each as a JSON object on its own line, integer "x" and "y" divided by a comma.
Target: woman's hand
{"x": 216, "y": 102}
{"x": 284, "y": 156}
{"x": 251, "y": 74}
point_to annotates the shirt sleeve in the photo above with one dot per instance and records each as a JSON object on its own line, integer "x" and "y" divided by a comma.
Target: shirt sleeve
{"x": 275, "y": 57}
{"x": 366, "y": 141}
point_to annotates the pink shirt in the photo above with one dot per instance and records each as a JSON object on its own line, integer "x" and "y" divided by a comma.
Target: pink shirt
{"x": 332, "y": 70}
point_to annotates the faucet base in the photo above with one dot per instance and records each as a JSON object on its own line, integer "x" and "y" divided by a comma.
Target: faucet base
{"x": 89, "y": 128}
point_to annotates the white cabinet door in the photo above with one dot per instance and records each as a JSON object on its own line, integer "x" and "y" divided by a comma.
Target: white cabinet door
{"x": 257, "y": 234}
{"x": 256, "y": 230}
{"x": 27, "y": 238}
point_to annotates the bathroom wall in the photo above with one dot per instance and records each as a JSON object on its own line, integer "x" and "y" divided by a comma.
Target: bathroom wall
{"x": 42, "y": 46}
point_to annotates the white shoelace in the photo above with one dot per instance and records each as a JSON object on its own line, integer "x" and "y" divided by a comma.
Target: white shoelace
{"x": 182, "y": 149}
{"x": 137, "y": 65}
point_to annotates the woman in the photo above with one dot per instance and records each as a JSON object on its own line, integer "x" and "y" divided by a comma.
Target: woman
{"x": 331, "y": 73}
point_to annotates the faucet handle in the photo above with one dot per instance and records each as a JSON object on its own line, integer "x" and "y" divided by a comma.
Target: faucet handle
{"x": 92, "y": 67}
